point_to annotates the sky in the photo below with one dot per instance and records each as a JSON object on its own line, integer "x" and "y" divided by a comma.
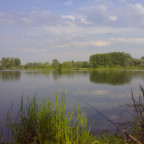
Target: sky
{"x": 42, "y": 30}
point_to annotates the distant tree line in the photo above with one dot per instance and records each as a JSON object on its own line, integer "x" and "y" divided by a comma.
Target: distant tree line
{"x": 69, "y": 64}
{"x": 107, "y": 60}
{"x": 9, "y": 62}
{"x": 57, "y": 65}
{"x": 37, "y": 65}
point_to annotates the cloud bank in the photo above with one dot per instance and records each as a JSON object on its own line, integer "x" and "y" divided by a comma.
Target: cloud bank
{"x": 96, "y": 27}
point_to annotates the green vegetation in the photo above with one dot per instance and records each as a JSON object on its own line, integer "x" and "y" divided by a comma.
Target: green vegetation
{"x": 9, "y": 63}
{"x": 37, "y": 65}
{"x": 10, "y": 75}
{"x": 114, "y": 60}
{"x": 48, "y": 123}
{"x": 111, "y": 77}
{"x": 137, "y": 127}
{"x": 109, "y": 59}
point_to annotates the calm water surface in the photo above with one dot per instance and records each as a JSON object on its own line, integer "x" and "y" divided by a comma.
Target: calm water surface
{"x": 107, "y": 91}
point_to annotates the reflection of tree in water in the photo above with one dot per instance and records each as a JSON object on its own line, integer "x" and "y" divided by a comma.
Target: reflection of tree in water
{"x": 68, "y": 74}
{"x": 114, "y": 77}
{"x": 10, "y": 75}
{"x": 37, "y": 73}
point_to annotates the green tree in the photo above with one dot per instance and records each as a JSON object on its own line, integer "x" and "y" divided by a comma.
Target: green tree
{"x": 46, "y": 65}
{"x": 8, "y": 62}
{"x": 17, "y": 62}
{"x": 142, "y": 58}
{"x": 109, "y": 59}
{"x": 4, "y": 62}
{"x": 136, "y": 62}
{"x": 12, "y": 62}
{"x": 55, "y": 63}
{"x": 67, "y": 64}
{"x": 81, "y": 64}
{"x": 0, "y": 65}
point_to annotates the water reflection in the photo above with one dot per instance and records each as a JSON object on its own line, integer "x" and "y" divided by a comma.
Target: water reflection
{"x": 37, "y": 73}
{"x": 114, "y": 77}
{"x": 94, "y": 87}
{"x": 69, "y": 74}
{"x": 10, "y": 75}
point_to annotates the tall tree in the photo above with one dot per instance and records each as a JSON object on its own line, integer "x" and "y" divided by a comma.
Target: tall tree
{"x": 109, "y": 59}
{"x": 55, "y": 63}
{"x": 142, "y": 58}
{"x": 4, "y": 62}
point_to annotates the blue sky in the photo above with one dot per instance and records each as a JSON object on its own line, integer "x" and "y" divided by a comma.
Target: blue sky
{"x": 41, "y": 30}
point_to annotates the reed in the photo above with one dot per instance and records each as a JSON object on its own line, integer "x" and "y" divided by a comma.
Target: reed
{"x": 138, "y": 115}
{"x": 48, "y": 123}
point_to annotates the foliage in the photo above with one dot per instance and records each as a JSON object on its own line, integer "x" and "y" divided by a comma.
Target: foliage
{"x": 109, "y": 59}
{"x": 0, "y": 65}
{"x": 55, "y": 63}
{"x": 142, "y": 58}
{"x": 37, "y": 65}
{"x": 67, "y": 64}
{"x": 10, "y": 75}
{"x": 48, "y": 123}
{"x": 77, "y": 64}
{"x": 118, "y": 60}
{"x": 10, "y": 62}
{"x": 111, "y": 77}
{"x": 138, "y": 116}
{"x": 81, "y": 64}
{"x": 108, "y": 138}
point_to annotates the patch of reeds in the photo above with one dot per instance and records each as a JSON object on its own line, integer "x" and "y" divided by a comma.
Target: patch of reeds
{"x": 138, "y": 115}
{"x": 48, "y": 123}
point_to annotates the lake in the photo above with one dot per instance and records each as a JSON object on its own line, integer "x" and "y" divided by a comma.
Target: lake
{"x": 107, "y": 91}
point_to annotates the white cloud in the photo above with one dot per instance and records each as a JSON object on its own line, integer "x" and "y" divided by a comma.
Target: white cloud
{"x": 71, "y": 17}
{"x": 104, "y": 14}
{"x": 103, "y": 26}
{"x": 100, "y": 43}
{"x": 100, "y": 92}
{"x": 138, "y": 8}
{"x": 82, "y": 44}
{"x": 62, "y": 46}
{"x": 85, "y": 21}
{"x": 113, "y": 18}
{"x": 92, "y": 93}
{"x": 129, "y": 40}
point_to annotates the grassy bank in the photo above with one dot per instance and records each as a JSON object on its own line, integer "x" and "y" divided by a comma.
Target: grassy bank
{"x": 49, "y": 123}
{"x": 70, "y": 69}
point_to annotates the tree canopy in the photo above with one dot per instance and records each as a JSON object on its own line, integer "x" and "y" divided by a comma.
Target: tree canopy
{"x": 10, "y": 62}
{"x": 106, "y": 60}
{"x": 109, "y": 59}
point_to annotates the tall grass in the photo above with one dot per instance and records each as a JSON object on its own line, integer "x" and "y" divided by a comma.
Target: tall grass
{"x": 48, "y": 123}
{"x": 138, "y": 115}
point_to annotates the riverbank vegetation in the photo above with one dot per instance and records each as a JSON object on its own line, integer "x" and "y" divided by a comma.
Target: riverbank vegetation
{"x": 111, "y": 61}
{"x": 9, "y": 63}
{"x": 137, "y": 126}
{"x": 49, "y": 122}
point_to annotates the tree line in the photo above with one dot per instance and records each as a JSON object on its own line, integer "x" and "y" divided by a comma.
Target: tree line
{"x": 57, "y": 65}
{"x": 7, "y": 63}
{"x": 106, "y": 60}
{"x": 115, "y": 59}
